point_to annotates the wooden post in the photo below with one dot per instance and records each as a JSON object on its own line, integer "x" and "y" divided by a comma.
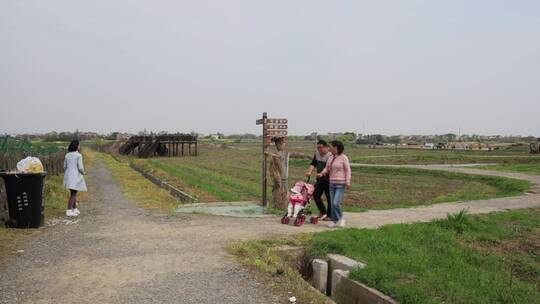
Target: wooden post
{"x": 264, "y": 164}
{"x": 275, "y": 128}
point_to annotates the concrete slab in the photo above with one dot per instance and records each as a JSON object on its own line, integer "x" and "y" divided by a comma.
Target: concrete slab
{"x": 348, "y": 291}
{"x": 320, "y": 275}
{"x": 337, "y": 276}
{"x": 338, "y": 261}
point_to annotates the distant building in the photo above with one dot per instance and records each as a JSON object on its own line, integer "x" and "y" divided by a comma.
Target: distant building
{"x": 122, "y": 136}
{"x": 312, "y": 136}
{"x": 216, "y": 136}
{"x": 429, "y": 146}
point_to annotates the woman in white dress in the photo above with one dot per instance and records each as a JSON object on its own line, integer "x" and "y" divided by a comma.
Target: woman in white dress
{"x": 74, "y": 176}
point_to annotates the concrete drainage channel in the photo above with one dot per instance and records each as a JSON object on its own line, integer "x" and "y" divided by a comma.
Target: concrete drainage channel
{"x": 331, "y": 277}
{"x": 181, "y": 195}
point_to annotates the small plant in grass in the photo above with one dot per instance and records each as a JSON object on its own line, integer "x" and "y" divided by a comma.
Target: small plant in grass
{"x": 457, "y": 221}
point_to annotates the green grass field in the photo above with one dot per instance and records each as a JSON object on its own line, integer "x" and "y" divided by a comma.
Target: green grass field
{"x": 463, "y": 259}
{"x": 233, "y": 174}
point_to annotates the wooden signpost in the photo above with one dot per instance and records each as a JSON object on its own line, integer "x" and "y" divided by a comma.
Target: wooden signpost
{"x": 272, "y": 128}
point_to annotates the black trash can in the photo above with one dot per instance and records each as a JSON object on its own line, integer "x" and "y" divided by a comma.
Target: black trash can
{"x": 26, "y": 199}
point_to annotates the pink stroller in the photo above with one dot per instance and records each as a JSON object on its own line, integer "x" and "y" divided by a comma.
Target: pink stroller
{"x": 299, "y": 202}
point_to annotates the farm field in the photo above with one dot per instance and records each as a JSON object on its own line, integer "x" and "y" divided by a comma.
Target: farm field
{"x": 417, "y": 156}
{"x": 403, "y": 155}
{"x": 233, "y": 174}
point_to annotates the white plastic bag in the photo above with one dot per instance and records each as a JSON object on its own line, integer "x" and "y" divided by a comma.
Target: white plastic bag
{"x": 30, "y": 165}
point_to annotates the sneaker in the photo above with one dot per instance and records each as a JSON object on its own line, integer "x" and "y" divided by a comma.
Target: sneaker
{"x": 76, "y": 211}
{"x": 70, "y": 212}
{"x": 332, "y": 225}
{"x": 341, "y": 223}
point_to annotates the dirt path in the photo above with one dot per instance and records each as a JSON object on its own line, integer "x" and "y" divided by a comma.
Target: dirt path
{"x": 118, "y": 253}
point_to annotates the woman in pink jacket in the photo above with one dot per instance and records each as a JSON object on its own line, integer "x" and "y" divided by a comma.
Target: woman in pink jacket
{"x": 339, "y": 169}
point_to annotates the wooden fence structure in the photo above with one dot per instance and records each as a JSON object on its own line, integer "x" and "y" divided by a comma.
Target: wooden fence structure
{"x": 53, "y": 164}
{"x": 162, "y": 145}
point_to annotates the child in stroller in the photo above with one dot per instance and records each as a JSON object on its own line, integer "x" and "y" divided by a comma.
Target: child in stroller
{"x": 299, "y": 201}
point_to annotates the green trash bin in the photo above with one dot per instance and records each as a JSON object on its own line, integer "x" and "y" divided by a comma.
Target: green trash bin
{"x": 26, "y": 199}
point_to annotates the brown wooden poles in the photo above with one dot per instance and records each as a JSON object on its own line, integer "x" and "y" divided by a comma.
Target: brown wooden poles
{"x": 162, "y": 145}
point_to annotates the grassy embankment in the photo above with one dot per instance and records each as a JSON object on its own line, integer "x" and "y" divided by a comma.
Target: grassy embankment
{"x": 462, "y": 259}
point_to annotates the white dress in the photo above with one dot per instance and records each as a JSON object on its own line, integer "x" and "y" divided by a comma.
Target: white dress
{"x": 74, "y": 171}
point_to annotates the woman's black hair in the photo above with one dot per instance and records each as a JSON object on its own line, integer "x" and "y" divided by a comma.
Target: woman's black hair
{"x": 73, "y": 146}
{"x": 338, "y": 145}
{"x": 323, "y": 143}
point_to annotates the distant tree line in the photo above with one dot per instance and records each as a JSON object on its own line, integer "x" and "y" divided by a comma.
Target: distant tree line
{"x": 347, "y": 137}
{"x": 67, "y": 136}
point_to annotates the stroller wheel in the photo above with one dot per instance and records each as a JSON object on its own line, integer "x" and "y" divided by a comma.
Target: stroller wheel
{"x": 314, "y": 220}
{"x": 300, "y": 220}
{"x": 285, "y": 220}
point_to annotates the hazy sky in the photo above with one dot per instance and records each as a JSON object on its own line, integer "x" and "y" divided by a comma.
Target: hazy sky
{"x": 393, "y": 67}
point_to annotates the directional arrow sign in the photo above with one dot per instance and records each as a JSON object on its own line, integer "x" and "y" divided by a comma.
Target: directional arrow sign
{"x": 276, "y": 120}
{"x": 259, "y": 121}
{"x": 274, "y": 126}
{"x": 275, "y": 133}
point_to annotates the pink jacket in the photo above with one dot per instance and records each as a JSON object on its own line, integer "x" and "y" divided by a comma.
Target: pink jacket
{"x": 339, "y": 169}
